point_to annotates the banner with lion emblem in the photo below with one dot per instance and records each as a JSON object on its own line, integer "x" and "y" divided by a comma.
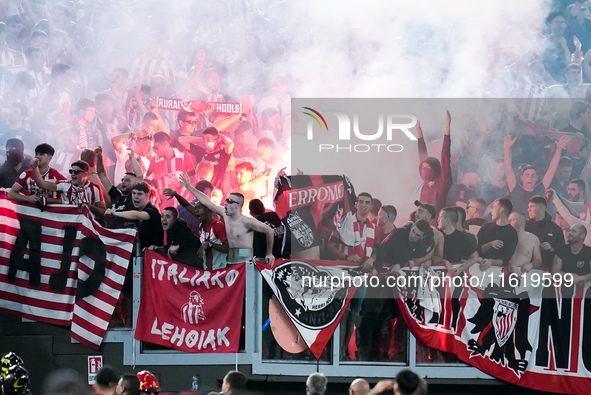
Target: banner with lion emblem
{"x": 190, "y": 309}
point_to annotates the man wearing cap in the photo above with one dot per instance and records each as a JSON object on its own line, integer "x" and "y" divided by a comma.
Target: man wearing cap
{"x": 16, "y": 162}
{"x": 497, "y": 240}
{"x": 427, "y": 212}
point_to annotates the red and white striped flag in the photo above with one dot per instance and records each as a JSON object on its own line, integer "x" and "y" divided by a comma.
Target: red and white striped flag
{"x": 81, "y": 272}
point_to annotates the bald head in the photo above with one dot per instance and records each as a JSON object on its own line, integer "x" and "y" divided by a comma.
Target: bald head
{"x": 359, "y": 387}
{"x": 517, "y": 220}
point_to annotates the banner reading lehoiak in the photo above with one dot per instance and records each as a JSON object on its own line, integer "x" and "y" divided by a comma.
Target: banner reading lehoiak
{"x": 59, "y": 266}
{"x": 533, "y": 331}
{"x": 189, "y": 309}
{"x": 314, "y": 295}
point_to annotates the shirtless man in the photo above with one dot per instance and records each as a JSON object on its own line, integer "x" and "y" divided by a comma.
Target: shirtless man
{"x": 567, "y": 216}
{"x": 527, "y": 255}
{"x": 239, "y": 228}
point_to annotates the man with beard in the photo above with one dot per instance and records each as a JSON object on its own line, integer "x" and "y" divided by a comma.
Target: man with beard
{"x": 435, "y": 175}
{"x": 181, "y": 244}
{"x": 574, "y": 257}
{"x": 16, "y": 163}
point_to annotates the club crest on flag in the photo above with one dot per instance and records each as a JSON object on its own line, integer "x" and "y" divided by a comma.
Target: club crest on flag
{"x": 504, "y": 319}
{"x": 300, "y": 230}
{"x": 192, "y": 311}
{"x": 307, "y": 295}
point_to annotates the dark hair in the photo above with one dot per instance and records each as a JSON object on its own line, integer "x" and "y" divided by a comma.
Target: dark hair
{"x": 103, "y": 97}
{"x": 481, "y": 204}
{"x": 580, "y": 183}
{"x": 45, "y": 149}
{"x": 451, "y": 214}
{"x": 424, "y": 227}
{"x": 83, "y": 104}
{"x": 59, "y": 69}
{"x": 565, "y": 161}
{"x": 17, "y": 143}
{"x": 577, "y": 109}
{"x": 106, "y": 377}
{"x": 366, "y": 195}
{"x": 183, "y": 115}
{"x": 88, "y": 156}
{"x": 461, "y": 214}
{"x": 203, "y": 185}
{"x": 408, "y": 382}
{"x": 239, "y": 195}
{"x": 376, "y": 206}
{"x": 173, "y": 210}
{"x": 256, "y": 207}
{"x": 526, "y": 167}
{"x": 149, "y": 116}
{"x": 390, "y": 211}
{"x": 81, "y": 164}
{"x": 538, "y": 200}
{"x": 236, "y": 380}
{"x": 141, "y": 186}
{"x": 506, "y": 204}
{"x": 146, "y": 89}
{"x": 161, "y": 137}
{"x": 211, "y": 130}
{"x": 246, "y": 165}
{"x": 131, "y": 383}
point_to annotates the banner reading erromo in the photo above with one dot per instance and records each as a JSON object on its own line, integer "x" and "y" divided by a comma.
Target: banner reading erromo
{"x": 189, "y": 309}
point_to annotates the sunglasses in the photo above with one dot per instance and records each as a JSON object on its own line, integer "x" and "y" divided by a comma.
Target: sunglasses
{"x": 230, "y": 201}
{"x": 191, "y": 122}
{"x": 72, "y": 171}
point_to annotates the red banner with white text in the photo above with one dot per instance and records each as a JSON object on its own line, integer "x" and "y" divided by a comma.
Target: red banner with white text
{"x": 189, "y": 309}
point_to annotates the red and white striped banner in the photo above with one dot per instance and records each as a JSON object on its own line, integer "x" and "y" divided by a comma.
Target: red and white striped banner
{"x": 61, "y": 267}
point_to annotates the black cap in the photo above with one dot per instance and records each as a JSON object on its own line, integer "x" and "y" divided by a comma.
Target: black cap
{"x": 429, "y": 207}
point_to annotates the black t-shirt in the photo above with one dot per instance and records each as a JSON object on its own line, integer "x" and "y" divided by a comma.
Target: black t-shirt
{"x": 457, "y": 246}
{"x": 576, "y": 264}
{"x": 396, "y": 248}
{"x": 219, "y": 159}
{"x": 151, "y": 232}
{"x": 547, "y": 231}
{"x": 506, "y": 233}
{"x": 260, "y": 241}
{"x": 520, "y": 197}
{"x": 119, "y": 202}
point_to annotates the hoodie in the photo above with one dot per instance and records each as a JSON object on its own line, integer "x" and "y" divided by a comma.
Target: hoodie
{"x": 180, "y": 234}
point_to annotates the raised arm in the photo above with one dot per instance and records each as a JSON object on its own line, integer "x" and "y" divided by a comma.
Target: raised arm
{"x": 446, "y": 178}
{"x": 41, "y": 183}
{"x": 137, "y": 169}
{"x": 100, "y": 169}
{"x": 131, "y": 215}
{"x": 203, "y": 199}
{"x": 186, "y": 141}
{"x": 171, "y": 193}
{"x": 509, "y": 173}
{"x": 421, "y": 143}
{"x": 560, "y": 144}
